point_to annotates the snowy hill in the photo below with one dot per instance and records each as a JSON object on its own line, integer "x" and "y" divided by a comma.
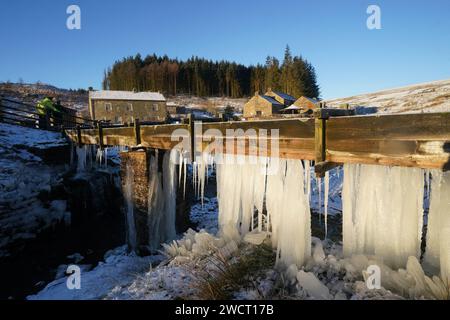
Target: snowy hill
{"x": 425, "y": 97}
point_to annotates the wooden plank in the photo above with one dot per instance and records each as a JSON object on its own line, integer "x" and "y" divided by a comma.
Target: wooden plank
{"x": 295, "y": 137}
{"x": 90, "y": 136}
{"x": 413, "y": 140}
{"x": 161, "y": 136}
{"x": 419, "y": 140}
{"x": 423, "y": 126}
{"x": 123, "y": 136}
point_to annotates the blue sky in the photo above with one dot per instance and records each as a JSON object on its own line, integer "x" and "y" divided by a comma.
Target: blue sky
{"x": 412, "y": 46}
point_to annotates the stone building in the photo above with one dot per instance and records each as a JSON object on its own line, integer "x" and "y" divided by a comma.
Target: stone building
{"x": 306, "y": 105}
{"x": 260, "y": 106}
{"x": 281, "y": 97}
{"x": 121, "y": 107}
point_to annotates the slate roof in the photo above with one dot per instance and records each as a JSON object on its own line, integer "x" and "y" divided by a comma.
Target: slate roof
{"x": 126, "y": 95}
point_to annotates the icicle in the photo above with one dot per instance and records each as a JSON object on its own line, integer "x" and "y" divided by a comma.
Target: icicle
{"x": 131, "y": 225}
{"x": 81, "y": 159}
{"x": 308, "y": 178}
{"x": 319, "y": 188}
{"x": 382, "y": 212}
{"x": 241, "y": 189}
{"x": 327, "y": 188}
{"x": 106, "y": 157}
{"x": 162, "y": 199}
{"x": 294, "y": 242}
{"x": 180, "y": 167}
{"x": 184, "y": 178}
{"x": 99, "y": 156}
{"x": 437, "y": 252}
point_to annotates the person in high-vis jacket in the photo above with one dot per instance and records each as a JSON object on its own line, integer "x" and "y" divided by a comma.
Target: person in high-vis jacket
{"x": 46, "y": 109}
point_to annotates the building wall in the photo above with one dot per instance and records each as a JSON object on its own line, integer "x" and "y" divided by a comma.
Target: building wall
{"x": 305, "y": 103}
{"x": 121, "y": 111}
{"x": 256, "y": 104}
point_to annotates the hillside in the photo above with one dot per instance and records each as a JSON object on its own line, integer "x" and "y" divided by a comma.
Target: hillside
{"x": 32, "y": 93}
{"x": 424, "y": 97}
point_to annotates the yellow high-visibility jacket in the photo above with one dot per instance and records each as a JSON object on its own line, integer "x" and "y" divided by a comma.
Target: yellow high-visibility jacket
{"x": 46, "y": 106}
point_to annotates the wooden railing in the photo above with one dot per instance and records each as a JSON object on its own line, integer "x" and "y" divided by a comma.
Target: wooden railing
{"x": 24, "y": 114}
{"x": 411, "y": 140}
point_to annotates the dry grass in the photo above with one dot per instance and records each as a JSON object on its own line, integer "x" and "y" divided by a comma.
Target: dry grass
{"x": 230, "y": 275}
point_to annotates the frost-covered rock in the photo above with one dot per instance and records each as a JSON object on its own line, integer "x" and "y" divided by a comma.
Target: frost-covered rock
{"x": 313, "y": 287}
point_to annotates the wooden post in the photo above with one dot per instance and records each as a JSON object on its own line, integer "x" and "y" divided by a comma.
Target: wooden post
{"x": 79, "y": 135}
{"x": 320, "y": 123}
{"x": 47, "y": 121}
{"x": 137, "y": 131}
{"x": 191, "y": 120}
{"x": 100, "y": 134}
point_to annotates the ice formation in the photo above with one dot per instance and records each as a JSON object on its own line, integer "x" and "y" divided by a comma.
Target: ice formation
{"x": 81, "y": 158}
{"x": 327, "y": 188}
{"x": 383, "y": 212}
{"x": 162, "y": 200}
{"x": 242, "y": 188}
{"x": 130, "y": 220}
{"x": 438, "y": 234}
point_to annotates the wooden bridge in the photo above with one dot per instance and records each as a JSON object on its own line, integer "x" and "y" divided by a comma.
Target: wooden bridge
{"x": 330, "y": 138}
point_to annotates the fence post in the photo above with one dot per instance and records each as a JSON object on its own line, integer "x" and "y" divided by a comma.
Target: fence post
{"x": 191, "y": 124}
{"x": 320, "y": 138}
{"x": 79, "y": 135}
{"x": 100, "y": 134}
{"x": 137, "y": 131}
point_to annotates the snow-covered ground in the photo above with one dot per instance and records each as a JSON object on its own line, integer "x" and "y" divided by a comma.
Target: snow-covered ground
{"x": 425, "y": 97}
{"x": 189, "y": 260}
{"x": 23, "y": 176}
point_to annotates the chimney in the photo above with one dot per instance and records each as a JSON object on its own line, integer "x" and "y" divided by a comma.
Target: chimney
{"x": 256, "y": 93}
{"x": 269, "y": 89}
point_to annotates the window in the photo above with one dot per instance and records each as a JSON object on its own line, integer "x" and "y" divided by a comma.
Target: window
{"x": 130, "y": 107}
{"x": 258, "y": 113}
{"x": 155, "y": 107}
{"x": 108, "y": 107}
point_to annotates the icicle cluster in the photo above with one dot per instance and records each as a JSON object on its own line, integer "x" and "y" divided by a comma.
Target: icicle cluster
{"x": 438, "y": 234}
{"x": 242, "y": 188}
{"x": 383, "y": 212}
{"x": 162, "y": 200}
{"x": 129, "y": 202}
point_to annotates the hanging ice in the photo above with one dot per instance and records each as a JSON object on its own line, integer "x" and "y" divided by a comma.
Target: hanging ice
{"x": 130, "y": 220}
{"x": 437, "y": 252}
{"x": 81, "y": 158}
{"x": 162, "y": 200}
{"x": 241, "y": 191}
{"x": 327, "y": 188}
{"x": 294, "y": 234}
{"x": 382, "y": 212}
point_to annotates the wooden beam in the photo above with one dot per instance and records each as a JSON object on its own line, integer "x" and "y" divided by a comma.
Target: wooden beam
{"x": 413, "y": 140}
